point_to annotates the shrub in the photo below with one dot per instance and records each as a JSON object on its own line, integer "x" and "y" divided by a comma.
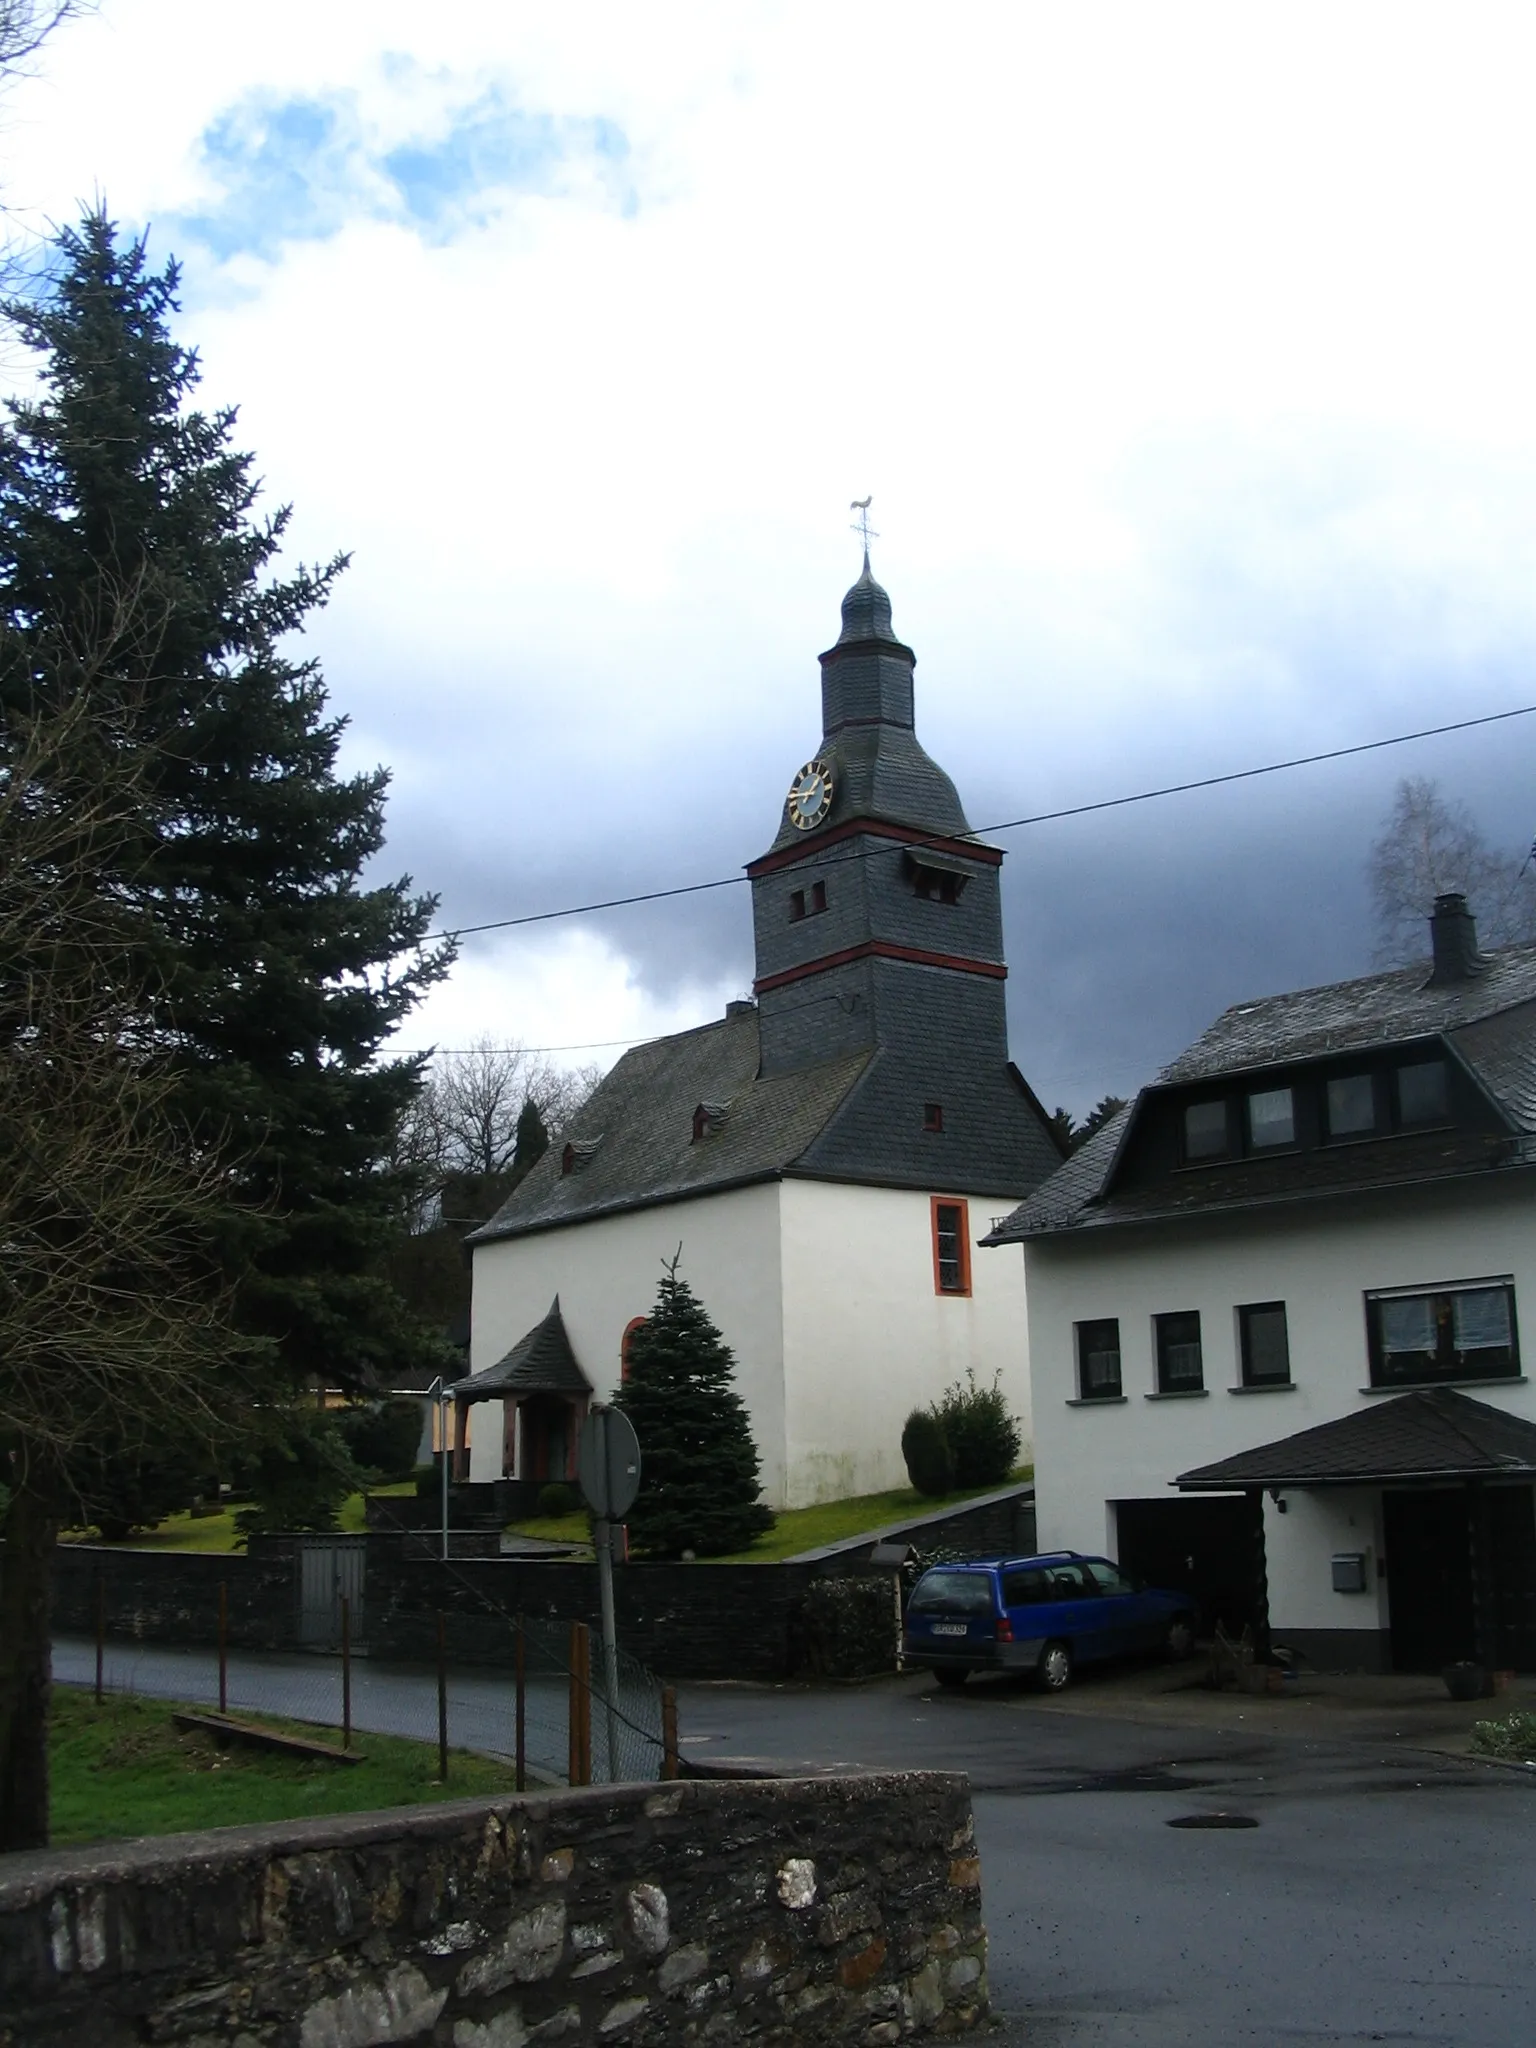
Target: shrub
{"x": 929, "y": 1458}
{"x": 850, "y": 1628}
{"x": 1514, "y": 1736}
{"x": 558, "y": 1499}
{"x": 982, "y": 1434}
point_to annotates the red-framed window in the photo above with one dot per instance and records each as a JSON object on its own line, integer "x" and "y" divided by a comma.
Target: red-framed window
{"x": 625, "y": 1342}
{"x": 949, "y": 1219}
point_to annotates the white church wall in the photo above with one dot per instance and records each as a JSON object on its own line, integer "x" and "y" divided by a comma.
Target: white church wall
{"x": 606, "y": 1273}
{"x": 867, "y": 1338}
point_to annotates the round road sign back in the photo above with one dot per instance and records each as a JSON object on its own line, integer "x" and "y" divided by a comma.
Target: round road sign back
{"x": 608, "y": 1463}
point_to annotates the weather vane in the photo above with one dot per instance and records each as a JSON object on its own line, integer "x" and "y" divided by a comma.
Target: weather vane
{"x": 861, "y": 525}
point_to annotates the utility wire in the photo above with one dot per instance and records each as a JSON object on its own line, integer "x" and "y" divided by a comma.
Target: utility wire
{"x": 1108, "y": 803}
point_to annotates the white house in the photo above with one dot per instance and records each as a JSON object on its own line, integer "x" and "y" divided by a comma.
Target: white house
{"x": 1274, "y": 1317}
{"x": 826, "y": 1155}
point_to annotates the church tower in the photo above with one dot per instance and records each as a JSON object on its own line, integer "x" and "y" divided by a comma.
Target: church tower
{"x": 877, "y": 919}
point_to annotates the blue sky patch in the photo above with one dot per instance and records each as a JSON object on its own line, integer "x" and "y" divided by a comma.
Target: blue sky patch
{"x": 300, "y": 169}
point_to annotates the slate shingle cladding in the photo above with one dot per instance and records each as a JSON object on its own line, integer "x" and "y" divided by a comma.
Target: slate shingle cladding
{"x": 1433, "y": 1433}
{"x": 1486, "y": 1024}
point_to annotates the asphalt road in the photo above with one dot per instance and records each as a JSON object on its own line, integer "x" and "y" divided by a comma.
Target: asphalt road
{"x": 1386, "y": 1894}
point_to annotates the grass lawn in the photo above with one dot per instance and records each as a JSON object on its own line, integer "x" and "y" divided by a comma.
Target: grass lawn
{"x": 124, "y": 1768}
{"x": 218, "y": 1532}
{"x": 797, "y": 1529}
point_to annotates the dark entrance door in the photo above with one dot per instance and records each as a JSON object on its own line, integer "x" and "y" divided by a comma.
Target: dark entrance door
{"x": 1429, "y": 1576}
{"x": 1200, "y": 1547}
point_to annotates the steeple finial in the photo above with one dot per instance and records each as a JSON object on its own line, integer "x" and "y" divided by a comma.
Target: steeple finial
{"x": 862, "y": 527}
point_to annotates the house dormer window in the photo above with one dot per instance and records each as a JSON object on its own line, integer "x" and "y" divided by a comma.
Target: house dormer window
{"x": 1271, "y": 1114}
{"x": 1349, "y": 1104}
{"x": 1423, "y": 1094}
{"x": 578, "y": 1153}
{"x": 1205, "y": 1129}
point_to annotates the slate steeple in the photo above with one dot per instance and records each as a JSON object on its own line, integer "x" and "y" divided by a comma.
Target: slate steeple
{"x": 878, "y": 924}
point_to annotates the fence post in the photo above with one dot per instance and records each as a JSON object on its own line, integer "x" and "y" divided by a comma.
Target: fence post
{"x": 521, "y": 1751}
{"x": 586, "y": 1704}
{"x": 579, "y": 1712}
{"x": 223, "y": 1646}
{"x": 669, "y": 1763}
{"x": 101, "y": 1627}
{"x": 346, "y": 1672}
{"x": 442, "y": 1698}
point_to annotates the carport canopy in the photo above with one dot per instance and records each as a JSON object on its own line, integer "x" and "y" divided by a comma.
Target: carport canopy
{"x": 1431, "y": 1434}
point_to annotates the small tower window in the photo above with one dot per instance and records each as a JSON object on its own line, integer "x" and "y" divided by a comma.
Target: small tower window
{"x": 933, "y": 1116}
{"x": 951, "y": 1246}
{"x": 934, "y": 879}
{"x": 807, "y": 902}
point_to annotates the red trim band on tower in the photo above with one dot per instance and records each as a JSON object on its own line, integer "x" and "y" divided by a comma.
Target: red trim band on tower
{"x": 906, "y": 835}
{"x": 881, "y": 949}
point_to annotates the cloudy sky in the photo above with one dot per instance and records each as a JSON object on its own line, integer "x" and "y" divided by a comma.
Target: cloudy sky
{"x": 1189, "y": 353}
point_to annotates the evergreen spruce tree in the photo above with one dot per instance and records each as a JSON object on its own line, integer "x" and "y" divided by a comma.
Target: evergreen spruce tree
{"x": 133, "y": 568}
{"x": 252, "y": 977}
{"x": 699, "y": 1468}
{"x": 532, "y": 1140}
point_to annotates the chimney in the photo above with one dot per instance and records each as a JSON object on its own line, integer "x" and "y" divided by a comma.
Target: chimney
{"x": 1453, "y": 935}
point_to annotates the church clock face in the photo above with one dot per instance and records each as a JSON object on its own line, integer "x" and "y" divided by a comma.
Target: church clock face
{"x": 810, "y": 796}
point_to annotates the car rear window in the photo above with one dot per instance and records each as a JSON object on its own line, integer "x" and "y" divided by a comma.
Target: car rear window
{"x": 952, "y": 1593}
{"x": 1024, "y": 1589}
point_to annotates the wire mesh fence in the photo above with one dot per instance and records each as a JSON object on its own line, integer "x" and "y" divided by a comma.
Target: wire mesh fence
{"x": 555, "y": 1713}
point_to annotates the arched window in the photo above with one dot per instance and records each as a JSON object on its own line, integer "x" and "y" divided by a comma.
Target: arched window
{"x": 625, "y": 1342}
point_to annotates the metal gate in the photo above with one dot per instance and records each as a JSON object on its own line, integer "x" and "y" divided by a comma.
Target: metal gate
{"x": 331, "y": 1568}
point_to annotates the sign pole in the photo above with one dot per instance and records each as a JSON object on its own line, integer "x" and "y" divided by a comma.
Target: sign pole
{"x": 602, "y": 1532}
{"x": 608, "y": 1462}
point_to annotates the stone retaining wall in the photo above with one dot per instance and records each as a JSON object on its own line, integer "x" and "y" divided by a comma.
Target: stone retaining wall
{"x": 791, "y": 1913}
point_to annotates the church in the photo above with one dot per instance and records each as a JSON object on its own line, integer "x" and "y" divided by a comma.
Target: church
{"x": 826, "y": 1155}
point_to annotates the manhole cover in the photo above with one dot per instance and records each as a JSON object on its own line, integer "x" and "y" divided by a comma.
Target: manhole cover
{"x": 1214, "y": 1820}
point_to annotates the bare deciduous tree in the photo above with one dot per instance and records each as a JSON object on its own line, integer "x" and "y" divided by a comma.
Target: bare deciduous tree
{"x": 1429, "y": 845}
{"x": 474, "y": 1097}
{"x": 113, "y": 1322}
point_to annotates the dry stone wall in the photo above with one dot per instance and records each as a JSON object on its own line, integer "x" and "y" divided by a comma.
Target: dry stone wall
{"x": 792, "y": 1912}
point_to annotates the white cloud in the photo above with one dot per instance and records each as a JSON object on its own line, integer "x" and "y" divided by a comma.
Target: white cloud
{"x": 1186, "y": 351}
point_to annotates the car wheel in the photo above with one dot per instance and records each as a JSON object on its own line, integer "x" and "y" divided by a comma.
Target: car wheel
{"x": 953, "y": 1675}
{"x": 1055, "y": 1667}
{"x": 1179, "y": 1640}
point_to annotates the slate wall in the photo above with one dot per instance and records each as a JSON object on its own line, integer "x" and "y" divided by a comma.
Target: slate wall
{"x": 790, "y": 1914}
{"x": 682, "y": 1620}
{"x": 172, "y": 1596}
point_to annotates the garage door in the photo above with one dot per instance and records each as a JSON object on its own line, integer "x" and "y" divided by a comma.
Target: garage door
{"x": 1200, "y": 1547}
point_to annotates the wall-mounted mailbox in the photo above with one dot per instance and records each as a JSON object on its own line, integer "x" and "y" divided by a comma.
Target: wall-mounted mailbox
{"x": 1349, "y": 1571}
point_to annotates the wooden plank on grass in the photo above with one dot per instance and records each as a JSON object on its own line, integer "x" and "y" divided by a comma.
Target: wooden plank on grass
{"x": 223, "y": 1729}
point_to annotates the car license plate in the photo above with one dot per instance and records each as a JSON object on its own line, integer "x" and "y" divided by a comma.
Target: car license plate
{"x": 949, "y": 1628}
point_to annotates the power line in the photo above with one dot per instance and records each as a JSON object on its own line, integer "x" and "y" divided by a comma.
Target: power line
{"x": 1108, "y": 803}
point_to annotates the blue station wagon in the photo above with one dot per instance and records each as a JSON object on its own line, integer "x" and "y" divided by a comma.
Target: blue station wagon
{"x": 1041, "y": 1615}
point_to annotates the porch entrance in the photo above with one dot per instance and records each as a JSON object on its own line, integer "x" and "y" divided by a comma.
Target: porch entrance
{"x": 1428, "y": 1535}
{"x": 546, "y": 1422}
